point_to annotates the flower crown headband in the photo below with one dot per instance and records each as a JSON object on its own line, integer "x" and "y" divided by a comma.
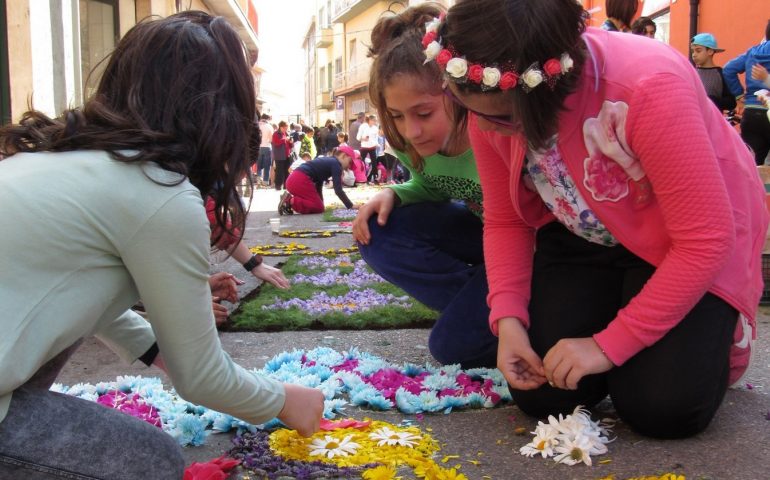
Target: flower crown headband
{"x": 492, "y": 76}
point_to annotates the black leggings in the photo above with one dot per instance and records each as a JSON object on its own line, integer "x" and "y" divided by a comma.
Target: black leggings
{"x": 372, "y": 153}
{"x": 755, "y": 131}
{"x": 671, "y": 389}
{"x": 281, "y": 172}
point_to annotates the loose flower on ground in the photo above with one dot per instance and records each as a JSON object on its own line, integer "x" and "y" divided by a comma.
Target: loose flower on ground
{"x": 570, "y": 440}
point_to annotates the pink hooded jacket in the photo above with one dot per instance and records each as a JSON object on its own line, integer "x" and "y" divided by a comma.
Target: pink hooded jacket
{"x": 664, "y": 172}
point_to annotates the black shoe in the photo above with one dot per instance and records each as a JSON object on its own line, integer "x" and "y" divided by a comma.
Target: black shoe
{"x": 284, "y": 204}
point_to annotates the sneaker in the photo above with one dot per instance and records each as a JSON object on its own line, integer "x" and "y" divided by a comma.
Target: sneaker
{"x": 284, "y": 204}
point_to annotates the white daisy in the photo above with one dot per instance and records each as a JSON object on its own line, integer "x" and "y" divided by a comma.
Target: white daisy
{"x": 386, "y": 436}
{"x": 546, "y": 438}
{"x": 573, "y": 450}
{"x": 330, "y": 446}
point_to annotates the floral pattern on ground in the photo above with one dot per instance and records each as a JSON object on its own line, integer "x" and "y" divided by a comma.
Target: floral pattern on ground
{"x": 359, "y": 447}
{"x": 148, "y": 400}
{"x": 350, "y": 377}
{"x": 331, "y": 292}
{"x": 311, "y": 233}
{"x": 288, "y": 249}
{"x": 337, "y": 213}
{"x": 352, "y": 302}
{"x": 359, "y": 277}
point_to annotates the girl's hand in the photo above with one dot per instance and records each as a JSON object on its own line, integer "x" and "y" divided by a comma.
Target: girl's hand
{"x": 271, "y": 275}
{"x": 381, "y": 204}
{"x": 520, "y": 365}
{"x": 302, "y": 409}
{"x": 573, "y": 358}
{"x": 220, "y": 311}
{"x": 223, "y": 285}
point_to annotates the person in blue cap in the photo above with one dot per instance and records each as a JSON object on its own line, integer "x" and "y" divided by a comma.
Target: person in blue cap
{"x": 703, "y": 47}
{"x": 755, "y": 125}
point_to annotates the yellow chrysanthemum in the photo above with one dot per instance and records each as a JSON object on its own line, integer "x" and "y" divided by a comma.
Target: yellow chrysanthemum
{"x": 289, "y": 445}
{"x": 383, "y": 472}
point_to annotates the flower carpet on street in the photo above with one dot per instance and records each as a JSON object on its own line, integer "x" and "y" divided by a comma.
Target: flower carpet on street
{"x": 373, "y": 450}
{"x": 368, "y": 381}
{"x": 570, "y": 440}
{"x": 338, "y": 213}
{"x": 307, "y": 233}
{"x": 147, "y": 399}
{"x": 281, "y": 249}
{"x": 331, "y": 292}
{"x": 345, "y": 378}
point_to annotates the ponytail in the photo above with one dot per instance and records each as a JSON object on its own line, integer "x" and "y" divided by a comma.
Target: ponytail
{"x": 397, "y": 51}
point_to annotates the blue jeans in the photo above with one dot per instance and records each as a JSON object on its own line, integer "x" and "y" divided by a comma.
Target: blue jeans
{"x": 49, "y": 435}
{"x": 264, "y": 162}
{"x": 434, "y": 252}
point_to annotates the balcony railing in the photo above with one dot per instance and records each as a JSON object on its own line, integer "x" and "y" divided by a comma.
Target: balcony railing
{"x": 353, "y": 77}
{"x": 344, "y": 10}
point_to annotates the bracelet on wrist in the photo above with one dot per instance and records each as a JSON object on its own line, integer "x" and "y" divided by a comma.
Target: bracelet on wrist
{"x": 253, "y": 263}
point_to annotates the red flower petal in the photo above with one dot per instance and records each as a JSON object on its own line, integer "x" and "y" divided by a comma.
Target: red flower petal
{"x": 444, "y": 56}
{"x": 552, "y": 67}
{"x": 475, "y": 73}
{"x": 328, "y": 425}
{"x": 508, "y": 80}
{"x": 429, "y": 37}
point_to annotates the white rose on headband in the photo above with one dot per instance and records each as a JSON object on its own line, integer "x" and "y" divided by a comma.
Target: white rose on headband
{"x": 457, "y": 67}
{"x": 432, "y": 50}
{"x": 491, "y": 77}
{"x": 532, "y": 77}
{"x": 433, "y": 25}
{"x": 566, "y": 63}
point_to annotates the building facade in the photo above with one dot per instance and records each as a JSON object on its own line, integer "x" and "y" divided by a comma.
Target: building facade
{"x": 337, "y": 64}
{"x": 53, "y": 49}
{"x": 737, "y": 24}
{"x": 336, "y": 42}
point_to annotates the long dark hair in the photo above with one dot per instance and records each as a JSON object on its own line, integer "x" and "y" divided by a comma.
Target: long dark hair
{"x": 397, "y": 50}
{"x": 176, "y": 90}
{"x": 521, "y": 32}
{"x": 623, "y": 10}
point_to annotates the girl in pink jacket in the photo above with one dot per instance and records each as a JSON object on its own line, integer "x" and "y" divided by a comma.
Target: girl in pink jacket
{"x": 624, "y": 218}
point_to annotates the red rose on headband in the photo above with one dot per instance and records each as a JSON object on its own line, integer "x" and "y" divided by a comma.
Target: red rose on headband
{"x": 429, "y": 37}
{"x": 444, "y": 56}
{"x": 552, "y": 67}
{"x": 508, "y": 81}
{"x": 475, "y": 73}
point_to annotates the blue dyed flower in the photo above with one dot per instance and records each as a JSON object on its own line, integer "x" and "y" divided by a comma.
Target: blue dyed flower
{"x": 190, "y": 430}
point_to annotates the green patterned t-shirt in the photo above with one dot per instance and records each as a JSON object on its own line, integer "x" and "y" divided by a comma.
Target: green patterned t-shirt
{"x": 442, "y": 178}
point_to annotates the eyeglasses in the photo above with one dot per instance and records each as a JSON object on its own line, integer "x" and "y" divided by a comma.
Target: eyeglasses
{"x": 499, "y": 120}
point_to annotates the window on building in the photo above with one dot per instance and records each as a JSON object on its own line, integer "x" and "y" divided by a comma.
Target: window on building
{"x": 662, "y": 21}
{"x": 352, "y": 53}
{"x": 322, "y": 18}
{"x": 329, "y": 74}
{"x": 329, "y": 12}
{"x": 338, "y": 65}
{"x": 322, "y": 78}
{"x": 5, "y": 85}
{"x": 99, "y": 34}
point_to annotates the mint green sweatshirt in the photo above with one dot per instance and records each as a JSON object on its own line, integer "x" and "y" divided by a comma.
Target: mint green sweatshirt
{"x": 84, "y": 237}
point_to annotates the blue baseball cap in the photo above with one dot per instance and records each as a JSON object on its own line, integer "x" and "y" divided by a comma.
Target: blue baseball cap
{"x": 706, "y": 40}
